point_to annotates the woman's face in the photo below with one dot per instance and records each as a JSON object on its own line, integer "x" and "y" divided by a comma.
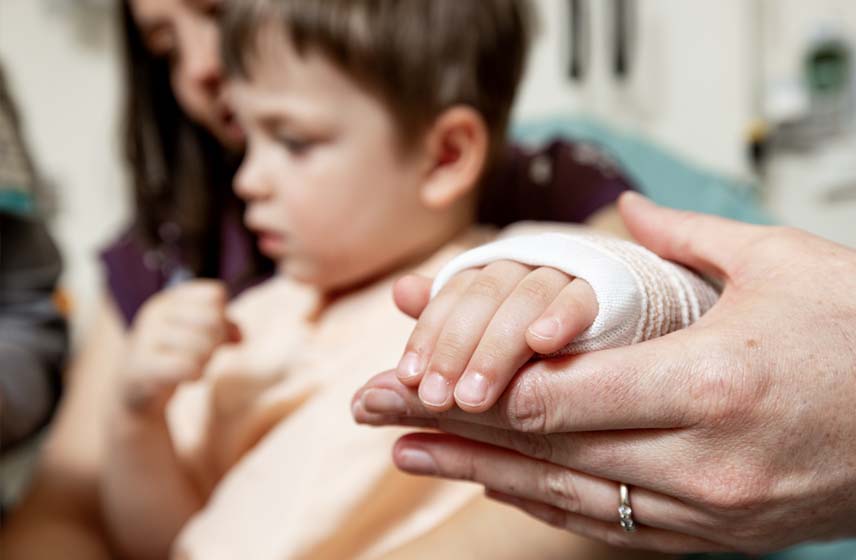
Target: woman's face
{"x": 185, "y": 34}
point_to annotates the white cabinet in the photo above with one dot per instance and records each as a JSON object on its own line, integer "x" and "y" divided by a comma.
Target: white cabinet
{"x": 690, "y": 83}
{"x": 703, "y": 72}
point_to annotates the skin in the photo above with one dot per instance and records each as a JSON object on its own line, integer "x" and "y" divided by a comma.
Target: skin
{"x": 733, "y": 434}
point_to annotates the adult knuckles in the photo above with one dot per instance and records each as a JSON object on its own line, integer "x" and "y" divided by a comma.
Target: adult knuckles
{"x": 733, "y": 493}
{"x": 558, "y": 486}
{"x": 528, "y": 404}
{"x": 726, "y": 387}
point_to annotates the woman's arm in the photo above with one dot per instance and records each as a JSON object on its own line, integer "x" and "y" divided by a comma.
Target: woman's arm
{"x": 486, "y": 529}
{"x": 60, "y": 514}
{"x": 147, "y": 496}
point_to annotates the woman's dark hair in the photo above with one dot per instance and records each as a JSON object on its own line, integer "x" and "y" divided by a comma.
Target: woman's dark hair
{"x": 180, "y": 173}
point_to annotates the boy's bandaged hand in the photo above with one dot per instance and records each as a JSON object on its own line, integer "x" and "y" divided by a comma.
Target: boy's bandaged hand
{"x": 496, "y": 304}
{"x": 171, "y": 341}
{"x": 483, "y": 325}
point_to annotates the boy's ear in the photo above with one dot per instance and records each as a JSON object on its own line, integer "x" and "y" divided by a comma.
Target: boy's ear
{"x": 457, "y": 148}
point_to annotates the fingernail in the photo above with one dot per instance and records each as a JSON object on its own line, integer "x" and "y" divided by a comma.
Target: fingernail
{"x": 472, "y": 389}
{"x": 409, "y": 366}
{"x": 545, "y": 328}
{"x": 416, "y": 461}
{"x": 434, "y": 390}
{"x": 383, "y": 401}
{"x": 358, "y": 411}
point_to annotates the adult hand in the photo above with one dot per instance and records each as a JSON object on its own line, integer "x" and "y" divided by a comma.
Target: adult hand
{"x": 736, "y": 433}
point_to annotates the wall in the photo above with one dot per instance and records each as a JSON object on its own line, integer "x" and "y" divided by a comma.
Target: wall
{"x": 63, "y": 67}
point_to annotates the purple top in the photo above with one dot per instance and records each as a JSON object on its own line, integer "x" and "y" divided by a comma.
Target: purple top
{"x": 560, "y": 182}
{"x": 135, "y": 273}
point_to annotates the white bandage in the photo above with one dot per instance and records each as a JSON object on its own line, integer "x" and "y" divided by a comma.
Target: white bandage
{"x": 640, "y": 296}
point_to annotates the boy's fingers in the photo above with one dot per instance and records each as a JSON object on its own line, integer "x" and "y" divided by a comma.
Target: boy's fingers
{"x": 165, "y": 371}
{"x": 173, "y": 369}
{"x": 208, "y": 292}
{"x": 411, "y": 294}
{"x": 419, "y": 346}
{"x": 503, "y": 348}
{"x": 570, "y": 313}
{"x": 196, "y": 345}
{"x": 233, "y": 332}
{"x": 206, "y": 321}
{"x": 464, "y": 328}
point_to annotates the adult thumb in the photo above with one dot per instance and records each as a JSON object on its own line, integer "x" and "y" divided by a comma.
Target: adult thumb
{"x": 708, "y": 244}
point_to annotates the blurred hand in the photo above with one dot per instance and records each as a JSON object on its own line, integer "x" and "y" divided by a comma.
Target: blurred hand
{"x": 171, "y": 341}
{"x": 736, "y": 433}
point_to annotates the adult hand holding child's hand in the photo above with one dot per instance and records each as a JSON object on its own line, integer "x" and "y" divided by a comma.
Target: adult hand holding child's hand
{"x": 735, "y": 433}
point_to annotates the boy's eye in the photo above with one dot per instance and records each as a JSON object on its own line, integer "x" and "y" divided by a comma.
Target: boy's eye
{"x": 296, "y": 146}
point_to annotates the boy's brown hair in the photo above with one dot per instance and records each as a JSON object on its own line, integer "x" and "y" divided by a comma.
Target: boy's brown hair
{"x": 420, "y": 57}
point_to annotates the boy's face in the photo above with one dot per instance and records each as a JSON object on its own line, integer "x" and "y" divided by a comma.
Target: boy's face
{"x": 327, "y": 191}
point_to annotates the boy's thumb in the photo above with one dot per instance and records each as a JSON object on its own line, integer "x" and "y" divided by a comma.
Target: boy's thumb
{"x": 411, "y": 294}
{"x": 233, "y": 332}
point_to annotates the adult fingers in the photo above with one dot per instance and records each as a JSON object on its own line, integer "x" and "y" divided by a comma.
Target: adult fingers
{"x": 706, "y": 243}
{"x": 514, "y": 474}
{"x": 640, "y": 458}
{"x": 654, "y": 384}
{"x": 644, "y": 538}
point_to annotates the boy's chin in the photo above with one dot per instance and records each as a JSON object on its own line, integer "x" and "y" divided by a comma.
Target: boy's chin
{"x": 322, "y": 279}
{"x": 302, "y": 272}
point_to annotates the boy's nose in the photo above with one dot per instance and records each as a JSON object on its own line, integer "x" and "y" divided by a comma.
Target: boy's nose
{"x": 250, "y": 182}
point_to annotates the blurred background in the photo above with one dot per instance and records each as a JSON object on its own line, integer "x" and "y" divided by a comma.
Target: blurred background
{"x": 753, "y": 96}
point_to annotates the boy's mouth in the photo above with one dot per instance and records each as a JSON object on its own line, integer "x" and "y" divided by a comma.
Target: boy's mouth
{"x": 271, "y": 243}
